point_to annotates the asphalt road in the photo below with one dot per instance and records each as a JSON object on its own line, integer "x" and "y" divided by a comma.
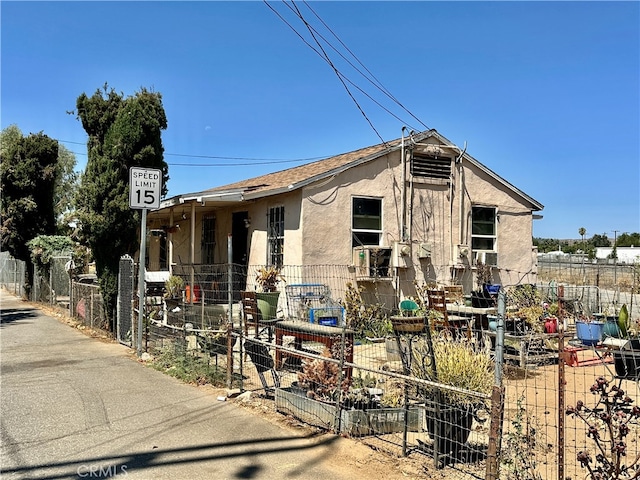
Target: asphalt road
{"x": 75, "y": 407}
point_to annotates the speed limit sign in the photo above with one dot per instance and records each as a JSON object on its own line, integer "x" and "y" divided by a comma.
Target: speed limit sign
{"x": 145, "y": 187}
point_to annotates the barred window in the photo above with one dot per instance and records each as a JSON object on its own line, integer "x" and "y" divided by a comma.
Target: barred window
{"x": 208, "y": 243}
{"x": 275, "y": 236}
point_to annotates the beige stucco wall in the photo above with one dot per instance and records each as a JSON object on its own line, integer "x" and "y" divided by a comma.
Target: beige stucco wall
{"x": 318, "y": 223}
{"x": 433, "y": 217}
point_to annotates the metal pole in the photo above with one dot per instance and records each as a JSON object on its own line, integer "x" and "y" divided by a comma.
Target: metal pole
{"x": 230, "y": 341}
{"x": 141, "y": 269}
{"x": 500, "y": 337}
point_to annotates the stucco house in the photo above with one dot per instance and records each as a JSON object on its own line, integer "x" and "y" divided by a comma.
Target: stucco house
{"x": 410, "y": 210}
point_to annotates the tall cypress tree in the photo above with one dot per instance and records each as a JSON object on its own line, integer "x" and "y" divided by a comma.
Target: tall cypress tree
{"x": 123, "y": 133}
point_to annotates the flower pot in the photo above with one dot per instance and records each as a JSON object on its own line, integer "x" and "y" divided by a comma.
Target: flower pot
{"x": 394, "y": 351}
{"x": 449, "y": 427}
{"x": 352, "y": 422}
{"x": 611, "y": 328}
{"x": 627, "y": 361}
{"x": 493, "y": 322}
{"x": 408, "y": 324}
{"x": 267, "y": 304}
{"x": 589, "y": 333}
{"x": 551, "y": 325}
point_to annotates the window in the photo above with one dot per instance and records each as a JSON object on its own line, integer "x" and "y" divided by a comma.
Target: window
{"x": 430, "y": 166}
{"x": 366, "y": 221}
{"x": 483, "y": 228}
{"x": 208, "y": 239}
{"x": 275, "y": 236}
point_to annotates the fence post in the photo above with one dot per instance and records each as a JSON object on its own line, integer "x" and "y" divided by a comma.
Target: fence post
{"x": 495, "y": 432}
{"x": 497, "y": 396}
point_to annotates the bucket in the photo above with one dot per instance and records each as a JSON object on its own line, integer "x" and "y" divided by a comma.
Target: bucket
{"x": 589, "y": 333}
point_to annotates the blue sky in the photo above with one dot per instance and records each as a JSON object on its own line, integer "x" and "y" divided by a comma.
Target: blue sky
{"x": 546, "y": 94}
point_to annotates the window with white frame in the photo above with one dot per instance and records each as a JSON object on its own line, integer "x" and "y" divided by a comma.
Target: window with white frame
{"x": 208, "y": 241}
{"x": 275, "y": 236}
{"x": 366, "y": 221}
{"x": 483, "y": 229}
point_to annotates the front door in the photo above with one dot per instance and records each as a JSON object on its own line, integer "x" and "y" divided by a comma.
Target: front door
{"x": 240, "y": 247}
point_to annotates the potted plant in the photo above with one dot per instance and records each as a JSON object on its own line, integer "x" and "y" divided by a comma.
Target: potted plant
{"x": 482, "y": 297}
{"x": 627, "y": 356}
{"x": 321, "y": 396}
{"x": 455, "y": 363}
{"x": 173, "y": 291}
{"x": 267, "y": 279}
{"x": 369, "y": 321}
{"x": 173, "y": 287}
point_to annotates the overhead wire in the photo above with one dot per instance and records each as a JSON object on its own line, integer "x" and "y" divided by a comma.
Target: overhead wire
{"x": 320, "y": 51}
{"x": 336, "y": 71}
{"x": 253, "y": 161}
{"x": 315, "y": 34}
{"x": 375, "y": 82}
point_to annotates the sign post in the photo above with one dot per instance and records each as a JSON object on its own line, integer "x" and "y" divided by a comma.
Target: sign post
{"x": 145, "y": 188}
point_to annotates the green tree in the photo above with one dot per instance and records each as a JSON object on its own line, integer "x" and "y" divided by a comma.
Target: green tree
{"x": 66, "y": 189}
{"x": 123, "y": 133}
{"x": 28, "y": 173}
{"x": 600, "y": 240}
{"x": 628, "y": 240}
{"x": 582, "y": 232}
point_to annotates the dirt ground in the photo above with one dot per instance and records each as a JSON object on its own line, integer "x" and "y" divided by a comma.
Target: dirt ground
{"x": 537, "y": 388}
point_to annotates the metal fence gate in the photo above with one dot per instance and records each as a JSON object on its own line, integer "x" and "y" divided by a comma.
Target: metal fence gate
{"x": 124, "y": 329}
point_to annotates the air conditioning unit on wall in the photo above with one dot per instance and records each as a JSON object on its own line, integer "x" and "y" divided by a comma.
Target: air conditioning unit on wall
{"x": 401, "y": 255}
{"x": 371, "y": 262}
{"x": 487, "y": 258}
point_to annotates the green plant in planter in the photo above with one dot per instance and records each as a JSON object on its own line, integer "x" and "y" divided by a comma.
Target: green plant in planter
{"x": 173, "y": 287}
{"x": 367, "y": 320}
{"x": 450, "y": 413}
{"x": 484, "y": 275}
{"x": 268, "y": 278}
{"x": 459, "y": 363}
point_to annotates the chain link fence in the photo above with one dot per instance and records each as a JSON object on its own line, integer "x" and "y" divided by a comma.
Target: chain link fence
{"x": 329, "y": 350}
{"x": 12, "y": 274}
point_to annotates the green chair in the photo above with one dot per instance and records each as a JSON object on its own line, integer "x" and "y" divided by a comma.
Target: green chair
{"x": 408, "y": 308}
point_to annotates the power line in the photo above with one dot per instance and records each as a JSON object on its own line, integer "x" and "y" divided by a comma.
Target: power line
{"x": 314, "y": 34}
{"x": 375, "y": 83}
{"x": 254, "y": 161}
{"x": 338, "y": 73}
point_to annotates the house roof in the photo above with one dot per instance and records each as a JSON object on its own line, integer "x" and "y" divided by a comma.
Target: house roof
{"x": 298, "y": 177}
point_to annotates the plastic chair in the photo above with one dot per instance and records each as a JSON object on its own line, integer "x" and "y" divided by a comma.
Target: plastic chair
{"x": 408, "y": 308}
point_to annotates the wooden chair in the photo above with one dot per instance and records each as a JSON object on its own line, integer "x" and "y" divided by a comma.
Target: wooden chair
{"x": 454, "y": 323}
{"x": 454, "y": 294}
{"x": 251, "y": 316}
{"x": 438, "y": 302}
